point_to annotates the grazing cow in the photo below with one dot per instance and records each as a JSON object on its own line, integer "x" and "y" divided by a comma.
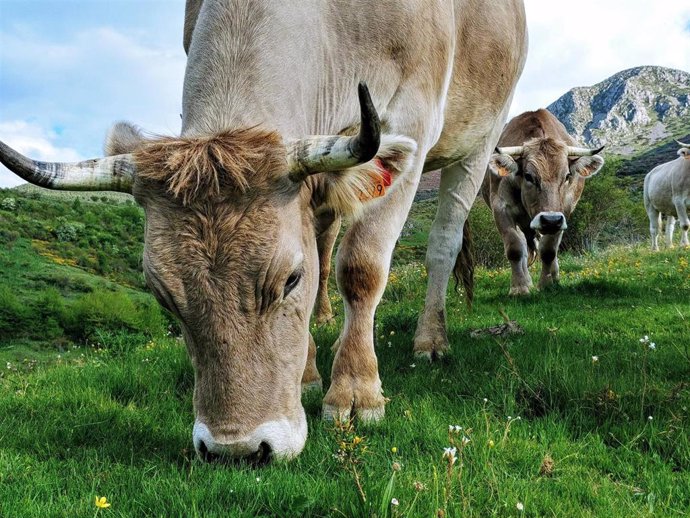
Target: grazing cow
{"x": 532, "y": 184}
{"x": 273, "y": 139}
{"x": 667, "y": 192}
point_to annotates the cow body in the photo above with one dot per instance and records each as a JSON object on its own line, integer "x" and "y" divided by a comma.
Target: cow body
{"x": 235, "y": 205}
{"x": 667, "y": 192}
{"x": 532, "y": 193}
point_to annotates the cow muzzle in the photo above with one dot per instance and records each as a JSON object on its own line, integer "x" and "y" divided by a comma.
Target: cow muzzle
{"x": 549, "y": 222}
{"x": 279, "y": 439}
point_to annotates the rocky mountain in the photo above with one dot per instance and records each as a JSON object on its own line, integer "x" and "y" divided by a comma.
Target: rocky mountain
{"x": 631, "y": 112}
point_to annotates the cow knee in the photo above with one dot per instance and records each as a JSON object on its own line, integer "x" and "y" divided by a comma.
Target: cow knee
{"x": 547, "y": 256}
{"x": 359, "y": 281}
{"x": 514, "y": 253}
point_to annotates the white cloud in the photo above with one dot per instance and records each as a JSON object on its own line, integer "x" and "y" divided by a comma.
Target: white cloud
{"x": 582, "y": 43}
{"x": 34, "y": 141}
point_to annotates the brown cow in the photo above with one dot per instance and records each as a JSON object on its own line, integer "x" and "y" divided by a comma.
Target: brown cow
{"x": 266, "y": 150}
{"x": 532, "y": 185}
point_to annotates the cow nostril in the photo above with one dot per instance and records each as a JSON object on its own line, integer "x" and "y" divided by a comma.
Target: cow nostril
{"x": 262, "y": 455}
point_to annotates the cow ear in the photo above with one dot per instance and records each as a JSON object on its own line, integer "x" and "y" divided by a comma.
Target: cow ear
{"x": 502, "y": 165}
{"x": 123, "y": 138}
{"x": 587, "y": 166}
{"x": 348, "y": 191}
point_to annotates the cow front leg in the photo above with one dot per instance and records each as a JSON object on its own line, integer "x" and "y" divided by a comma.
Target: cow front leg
{"x": 684, "y": 221}
{"x": 548, "y": 253}
{"x": 670, "y": 228}
{"x": 327, "y": 228}
{"x": 517, "y": 253}
{"x": 311, "y": 379}
{"x": 459, "y": 185}
{"x": 362, "y": 264}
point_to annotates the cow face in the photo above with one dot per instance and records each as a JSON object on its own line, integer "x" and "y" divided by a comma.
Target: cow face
{"x": 549, "y": 177}
{"x": 230, "y": 249}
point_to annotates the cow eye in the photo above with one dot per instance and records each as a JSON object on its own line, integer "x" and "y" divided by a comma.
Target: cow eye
{"x": 292, "y": 282}
{"x": 568, "y": 177}
{"x": 529, "y": 178}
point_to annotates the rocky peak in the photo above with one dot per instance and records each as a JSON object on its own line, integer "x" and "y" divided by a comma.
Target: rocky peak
{"x": 630, "y": 111}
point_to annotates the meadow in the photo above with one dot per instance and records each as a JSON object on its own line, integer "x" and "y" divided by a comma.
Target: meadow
{"x": 584, "y": 411}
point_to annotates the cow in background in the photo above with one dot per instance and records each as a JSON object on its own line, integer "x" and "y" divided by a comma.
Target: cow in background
{"x": 667, "y": 192}
{"x": 532, "y": 184}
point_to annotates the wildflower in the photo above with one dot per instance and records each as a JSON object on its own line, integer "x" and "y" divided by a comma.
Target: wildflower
{"x": 520, "y": 506}
{"x": 652, "y": 346}
{"x": 390, "y": 343}
{"x": 258, "y": 479}
{"x": 394, "y": 502}
{"x": 491, "y": 443}
{"x": 650, "y": 418}
{"x": 356, "y": 440}
{"x": 413, "y": 365}
{"x": 595, "y": 359}
{"x": 392, "y": 333}
{"x": 485, "y": 400}
{"x": 396, "y": 466}
{"x": 394, "y": 450}
{"x": 102, "y": 502}
{"x": 454, "y": 428}
{"x": 644, "y": 339}
{"x": 449, "y": 453}
{"x": 465, "y": 440}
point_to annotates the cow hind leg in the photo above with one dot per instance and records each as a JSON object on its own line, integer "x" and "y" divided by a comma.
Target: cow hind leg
{"x": 670, "y": 228}
{"x": 327, "y": 228}
{"x": 459, "y": 185}
{"x": 654, "y": 225}
{"x": 362, "y": 264}
{"x": 684, "y": 221}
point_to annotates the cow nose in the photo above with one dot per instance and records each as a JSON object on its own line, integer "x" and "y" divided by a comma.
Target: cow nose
{"x": 259, "y": 458}
{"x": 279, "y": 439}
{"x": 549, "y": 222}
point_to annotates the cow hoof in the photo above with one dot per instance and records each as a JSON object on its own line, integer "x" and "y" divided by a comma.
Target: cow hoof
{"x": 312, "y": 386}
{"x": 430, "y": 348}
{"x": 365, "y": 415}
{"x": 518, "y": 291}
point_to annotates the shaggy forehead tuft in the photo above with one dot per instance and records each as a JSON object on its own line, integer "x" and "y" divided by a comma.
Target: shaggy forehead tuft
{"x": 202, "y": 167}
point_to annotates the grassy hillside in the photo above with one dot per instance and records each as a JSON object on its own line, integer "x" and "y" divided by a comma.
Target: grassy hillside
{"x": 573, "y": 417}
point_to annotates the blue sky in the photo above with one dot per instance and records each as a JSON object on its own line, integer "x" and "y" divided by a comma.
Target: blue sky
{"x": 70, "y": 68}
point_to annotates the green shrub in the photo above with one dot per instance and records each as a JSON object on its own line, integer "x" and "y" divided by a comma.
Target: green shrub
{"x": 14, "y": 315}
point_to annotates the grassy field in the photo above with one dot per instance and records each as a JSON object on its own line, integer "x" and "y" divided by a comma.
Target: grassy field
{"x": 573, "y": 417}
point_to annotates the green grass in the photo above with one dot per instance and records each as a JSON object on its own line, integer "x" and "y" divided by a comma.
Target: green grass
{"x": 116, "y": 419}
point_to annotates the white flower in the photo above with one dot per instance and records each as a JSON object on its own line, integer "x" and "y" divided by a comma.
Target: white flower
{"x": 465, "y": 440}
{"x": 454, "y": 428}
{"x": 520, "y": 506}
{"x": 413, "y": 365}
{"x": 394, "y": 501}
{"x": 652, "y": 346}
{"x": 595, "y": 359}
{"x": 449, "y": 452}
{"x": 258, "y": 479}
{"x": 650, "y": 418}
{"x": 485, "y": 400}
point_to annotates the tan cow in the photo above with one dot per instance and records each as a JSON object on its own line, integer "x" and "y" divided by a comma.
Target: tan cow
{"x": 231, "y": 205}
{"x": 667, "y": 192}
{"x": 532, "y": 185}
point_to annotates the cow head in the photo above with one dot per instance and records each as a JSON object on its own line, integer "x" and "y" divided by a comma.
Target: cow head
{"x": 230, "y": 250}
{"x": 684, "y": 151}
{"x": 550, "y": 176}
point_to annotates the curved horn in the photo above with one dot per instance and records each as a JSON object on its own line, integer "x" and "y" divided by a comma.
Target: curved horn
{"x": 583, "y": 151}
{"x": 682, "y": 144}
{"x": 320, "y": 154}
{"x": 114, "y": 173}
{"x": 514, "y": 151}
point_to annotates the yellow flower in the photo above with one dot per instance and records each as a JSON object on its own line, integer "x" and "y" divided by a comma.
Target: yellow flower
{"x": 394, "y": 449}
{"x": 102, "y": 503}
{"x": 356, "y": 440}
{"x": 491, "y": 443}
